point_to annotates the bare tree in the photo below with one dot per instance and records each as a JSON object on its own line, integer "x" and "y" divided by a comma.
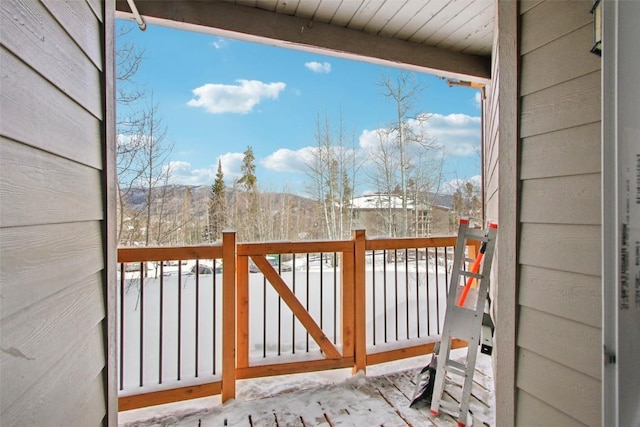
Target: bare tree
{"x": 407, "y": 130}
{"x": 385, "y": 163}
{"x": 151, "y": 168}
{"x": 330, "y": 171}
{"x": 129, "y": 57}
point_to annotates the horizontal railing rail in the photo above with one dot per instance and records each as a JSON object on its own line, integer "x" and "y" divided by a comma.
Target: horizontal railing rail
{"x": 193, "y": 320}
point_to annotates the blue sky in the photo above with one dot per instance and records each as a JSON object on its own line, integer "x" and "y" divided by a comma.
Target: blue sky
{"x": 217, "y": 96}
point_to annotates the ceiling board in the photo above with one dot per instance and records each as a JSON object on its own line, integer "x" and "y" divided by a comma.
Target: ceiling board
{"x": 452, "y": 37}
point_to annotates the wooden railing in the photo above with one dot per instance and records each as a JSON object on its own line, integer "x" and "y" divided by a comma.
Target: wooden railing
{"x": 193, "y": 320}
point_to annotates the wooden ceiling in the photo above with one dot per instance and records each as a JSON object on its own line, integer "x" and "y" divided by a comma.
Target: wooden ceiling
{"x": 452, "y": 38}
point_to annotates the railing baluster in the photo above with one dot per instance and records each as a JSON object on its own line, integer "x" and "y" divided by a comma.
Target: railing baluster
{"x": 180, "y": 316}
{"x": 279, "y": 312}
{"x": 446, "y": 269}
{"x": 293, "y": 316}
{"x": 384, "y": 284}
{"x": 335, "y": 297}
{"x": 143, "y": 267}
{"x": 307, "y": 304}
{"x": 321, "y": 288}
{"x": 426, "y": 265}
{"x": 197, "y": 312}
{"x": 417, "y": 263}
{"x": 160, "y": 326}
{"x": 406, "y": 285}
{"x": 395, "y": 287}
{"x": 373, "y": 267}
{"x": 215, "y": 317}
{"x": 264, "y": 317}
{"x": 437, "y": 291}
{"x": 122, "y": 308}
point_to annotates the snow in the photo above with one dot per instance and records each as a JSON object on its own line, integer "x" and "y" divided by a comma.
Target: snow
{"x": 405, "y": 303}
{"x": 398, "y": 297}
{"x": 289, "y": 393}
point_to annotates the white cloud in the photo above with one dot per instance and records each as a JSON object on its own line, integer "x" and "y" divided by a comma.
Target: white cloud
{"x": 450, "y": 187}
{"x": 184, "y": 172}
{"x": 241, "y": 98}
{"x": 319, "y": 67}
{"x": 476, "y": 101}
{"x": 458, "y": 134}
{"x": 231, "y": 163}
{"x": 219, "y": 43}
{"x": 285, "y": 160}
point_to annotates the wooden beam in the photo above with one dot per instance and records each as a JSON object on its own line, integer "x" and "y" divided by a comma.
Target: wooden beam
{"x": 228, "y": 315}
{"x": 293, "y": 368}
{"x": 127, "y": 403}
{"x": 251, "y": 24}
{"x": 109, "y": 179}
{"x": 142, "y": 254}
{"x": 242, "y": 298}
{"x": 348, "y": 304}
{"x": 298, "y": 310}
{"x": 505, "y": 296}
{"x": 360, "y": 308}
{"x": 406, "y": 352}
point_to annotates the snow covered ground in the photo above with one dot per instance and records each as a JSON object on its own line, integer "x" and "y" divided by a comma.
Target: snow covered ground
{"x": 172, "y": 337}
{"x": 311, "y": 396}
{"x": 172, "y": 329}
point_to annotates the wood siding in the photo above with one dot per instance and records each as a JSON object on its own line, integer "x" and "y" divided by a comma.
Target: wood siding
{"x": 558, "y": 376}
{"x": 53, "y": 358}
{"x": 499, "y": 112}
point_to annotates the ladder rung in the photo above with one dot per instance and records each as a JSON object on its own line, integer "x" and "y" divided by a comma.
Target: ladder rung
{"x": 470, "y": 274}
{"x": 457, "y": 368}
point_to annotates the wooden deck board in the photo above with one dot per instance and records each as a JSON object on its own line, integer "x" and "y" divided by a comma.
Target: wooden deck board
{"x": 375, "y": 400}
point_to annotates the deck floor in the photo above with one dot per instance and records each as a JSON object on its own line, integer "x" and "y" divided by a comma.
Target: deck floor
{"x": 358, "y": 401}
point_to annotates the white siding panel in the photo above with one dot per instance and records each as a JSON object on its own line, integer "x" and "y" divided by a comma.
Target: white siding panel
{"x": 559, "y": 61}
{"x": 569, "y": 295}
{"x": 50, "y": 121}
{"x": 562, "y": 200}
{"x": 91, "y": 408}
{"x": 534, "y": 412}
{"x": 569, "y": 343}
{"x": 45, "y": 333}
{"x": 569, "y": 104}
{"x": 526, "y": 5}
{"x": 574, "y": 248}
{"x": 52, "y": 235}
{"x": 28, "y": 30}
{"x": 52, "y": 401}
{"x": 39, "y": 261}
{"x": 565, "y": 152}
{"x": 80, "y": 22}
{"x": 559, "y": 335}
{"x": 96, "y": 7}
{"x": 64, "y": 191}
{"x": 551, "y": 20}
{"x": 571, "y": 392}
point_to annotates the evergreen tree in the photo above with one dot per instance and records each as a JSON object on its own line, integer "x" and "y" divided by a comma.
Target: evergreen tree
{"x": 250, "y": 184}
{"x": 217, "y": 207}
{"x": 248, "y": 169}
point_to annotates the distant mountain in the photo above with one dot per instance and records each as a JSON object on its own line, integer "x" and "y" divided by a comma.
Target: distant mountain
{"x": 174, "y": 197}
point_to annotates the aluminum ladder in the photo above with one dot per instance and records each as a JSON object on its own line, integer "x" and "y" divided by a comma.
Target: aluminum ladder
{"x": 466, "y": 301}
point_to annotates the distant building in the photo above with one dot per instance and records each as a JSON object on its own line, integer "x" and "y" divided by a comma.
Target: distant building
{"x": 380, "y": 214}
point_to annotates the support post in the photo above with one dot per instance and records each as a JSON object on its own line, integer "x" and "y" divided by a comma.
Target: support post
{"x": 242, "y": 298}
{"x": 348, "y": 303}
{"x": 229, "y": 251}
{"x": 360, "y": 305}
